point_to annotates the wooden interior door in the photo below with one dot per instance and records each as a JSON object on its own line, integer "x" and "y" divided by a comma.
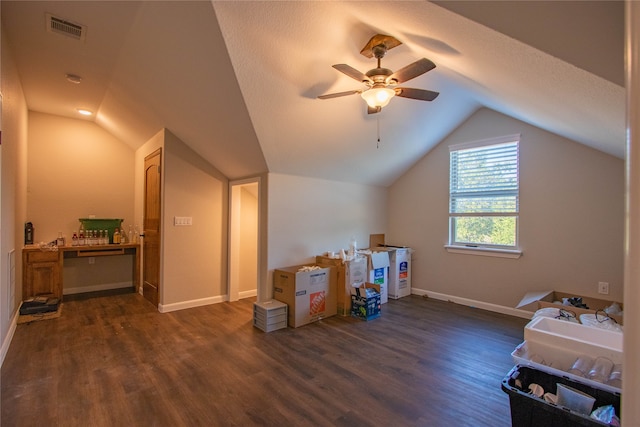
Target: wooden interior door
{"x": 152, "y": 210}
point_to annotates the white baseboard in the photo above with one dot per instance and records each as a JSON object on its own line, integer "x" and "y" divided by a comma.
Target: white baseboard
{"x": 166, "y": 308}
{"x": 475, "y": 304}
{"x": 94, "y": 288}
{"x": 9, "y": 337}
{"x": 248, "y": 294}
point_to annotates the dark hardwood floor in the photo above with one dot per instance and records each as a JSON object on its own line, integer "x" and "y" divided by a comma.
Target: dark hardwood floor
{"x": 116, "y": 361}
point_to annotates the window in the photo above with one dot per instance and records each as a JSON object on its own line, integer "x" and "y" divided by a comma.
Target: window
{"x": 483, "y": 194}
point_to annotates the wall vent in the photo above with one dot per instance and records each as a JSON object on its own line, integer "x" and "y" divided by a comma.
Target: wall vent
{"x": 64, "y": 27}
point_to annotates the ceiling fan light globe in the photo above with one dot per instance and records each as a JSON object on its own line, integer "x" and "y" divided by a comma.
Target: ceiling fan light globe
{"x": 378, "y": 97}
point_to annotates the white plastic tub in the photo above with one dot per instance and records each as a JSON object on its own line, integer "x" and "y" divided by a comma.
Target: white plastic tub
{"x": 553, "y": 345}
{"x": 556, "y": 361}
{"x": 562, "y": 333}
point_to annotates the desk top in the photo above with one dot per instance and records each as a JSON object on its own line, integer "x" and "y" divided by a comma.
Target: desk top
{"x": 81, "y": 248}
{"x": 98, "y": 247}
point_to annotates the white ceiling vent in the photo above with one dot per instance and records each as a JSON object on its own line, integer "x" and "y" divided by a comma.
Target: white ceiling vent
{"x": 64, "y": 27}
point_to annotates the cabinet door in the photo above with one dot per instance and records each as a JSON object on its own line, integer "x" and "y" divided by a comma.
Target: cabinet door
{"x": 42, "y": 278}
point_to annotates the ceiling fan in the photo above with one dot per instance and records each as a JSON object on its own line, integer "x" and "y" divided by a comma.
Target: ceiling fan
{"x": 381, "y": 82}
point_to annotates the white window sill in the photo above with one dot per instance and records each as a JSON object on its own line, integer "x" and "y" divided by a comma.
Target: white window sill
{"x": 468, "y": 250}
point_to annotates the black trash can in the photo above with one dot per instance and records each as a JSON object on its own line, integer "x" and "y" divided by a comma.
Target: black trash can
{"x": 528, "y": 410}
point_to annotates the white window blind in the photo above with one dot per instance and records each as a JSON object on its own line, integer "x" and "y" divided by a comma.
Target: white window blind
{"x": 484, "y": 193}
{"x": 484, "y": 179}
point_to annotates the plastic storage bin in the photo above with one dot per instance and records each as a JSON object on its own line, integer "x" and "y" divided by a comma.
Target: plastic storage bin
{"x": 553, "y": 345}
{"x": 270, "y": 315}
{"x": 528, "y": 410}
{"x": 555, "y": 361}
{"x": 558, "y": 332}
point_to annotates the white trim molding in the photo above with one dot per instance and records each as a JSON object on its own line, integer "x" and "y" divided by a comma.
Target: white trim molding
{"x": 166, "y": 308}
{"x": 248, "y": 294}
{"x": 481, "y": 251}
{"x": 9, "y": 337}
{"x": 474, "y": 304}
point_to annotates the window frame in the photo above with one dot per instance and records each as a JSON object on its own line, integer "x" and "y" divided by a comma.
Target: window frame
{"x": 478, "y": 248}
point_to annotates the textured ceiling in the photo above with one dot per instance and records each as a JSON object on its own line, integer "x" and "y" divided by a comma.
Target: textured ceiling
{"x": 238, "y": 81}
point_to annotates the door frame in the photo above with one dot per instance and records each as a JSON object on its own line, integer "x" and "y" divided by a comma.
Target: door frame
{"x": 144, "y": 240}
{"x": 234, "y": 224}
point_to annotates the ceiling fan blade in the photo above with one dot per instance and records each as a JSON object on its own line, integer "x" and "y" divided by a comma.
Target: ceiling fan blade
{"x": 352, "y": 72}
{"x": 411, "y": 71}
{"x": 373, "y": 110}
{"x": 338, "y": 94}
{"x": 419, "y": 94}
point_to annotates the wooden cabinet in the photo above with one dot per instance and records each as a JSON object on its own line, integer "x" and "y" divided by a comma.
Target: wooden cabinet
{"x": 41, "y": 273}
{"x": 42, "y": 270}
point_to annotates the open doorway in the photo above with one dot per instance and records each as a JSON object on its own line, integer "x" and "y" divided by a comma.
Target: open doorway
{"x": 243, "y": 238}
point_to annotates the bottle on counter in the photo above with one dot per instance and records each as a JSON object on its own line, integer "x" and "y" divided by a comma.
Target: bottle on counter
{"x": 81, "y": 236}
{"x": 116, "y": 236}
{"x": 60, "y": 239}
{"x": 28, "y": 233}
{"x": 74, "y": 239}
{"x": 130, "y": 236}
{"x": 136, "y": 234}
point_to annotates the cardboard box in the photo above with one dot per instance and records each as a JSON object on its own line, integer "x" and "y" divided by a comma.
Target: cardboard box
{"x": 365, "y": 301}
{"x": 535, "y": 300}
{"x": 376, "y": 240}
{"x": 378, "y": 270}
{"x": 399, "y": 272}
{"x": 310, "y": 295}
{"x": 349, "y": 273}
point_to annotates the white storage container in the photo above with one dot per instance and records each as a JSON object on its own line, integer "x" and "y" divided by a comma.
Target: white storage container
{"x": 270, "y": 315}
{"x": 556, "y": 361}
{"x": 553, "y": 345}
{"x": 561, "y": 333}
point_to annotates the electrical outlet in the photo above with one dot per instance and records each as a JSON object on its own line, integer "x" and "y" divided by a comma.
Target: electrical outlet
{"x": 603, "y": 288}
{"x": 92, "y": 260}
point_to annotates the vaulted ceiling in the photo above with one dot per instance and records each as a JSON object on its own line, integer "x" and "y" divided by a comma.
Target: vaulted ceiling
{"x": 238, "y": 80}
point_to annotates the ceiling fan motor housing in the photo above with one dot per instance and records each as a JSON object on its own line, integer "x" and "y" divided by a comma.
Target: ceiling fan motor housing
{"x": 379, "y": 75}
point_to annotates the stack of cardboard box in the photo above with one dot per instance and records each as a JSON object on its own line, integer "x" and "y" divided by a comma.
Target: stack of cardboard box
{"x": 350, "y": 273}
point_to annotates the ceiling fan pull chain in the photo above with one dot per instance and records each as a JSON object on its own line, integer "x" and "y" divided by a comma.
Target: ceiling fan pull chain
{"x": 378, "y": 125}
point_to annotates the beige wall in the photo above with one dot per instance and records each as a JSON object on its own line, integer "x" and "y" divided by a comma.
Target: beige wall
{"x": 13, "y": 169}
{"x": 194, "y": 257}
{"x": 309, "y": 216}
{"x": 248, "y": 241}
{"x": 76, "y": 169}
{"x": 571, "y": 219}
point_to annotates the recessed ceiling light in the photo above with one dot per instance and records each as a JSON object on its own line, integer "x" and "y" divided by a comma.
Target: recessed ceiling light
{"x": 85, "y": 112}
{"x": 73, "y": 78}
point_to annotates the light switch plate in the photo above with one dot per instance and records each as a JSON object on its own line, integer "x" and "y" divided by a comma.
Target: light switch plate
{"x": 182, "y": 220}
